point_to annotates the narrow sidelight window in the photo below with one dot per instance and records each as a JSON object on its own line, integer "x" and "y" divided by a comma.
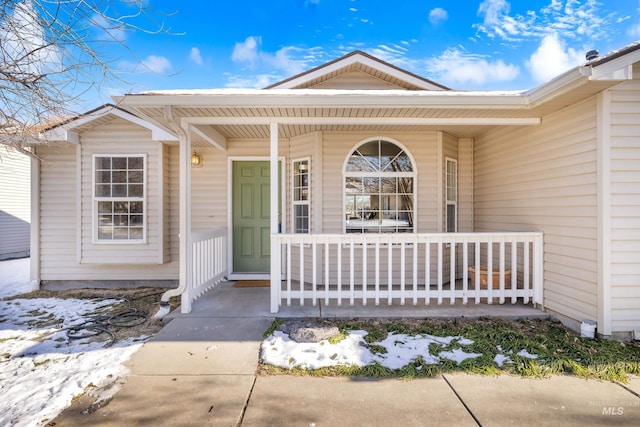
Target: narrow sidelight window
{"x": 301, "y": 195}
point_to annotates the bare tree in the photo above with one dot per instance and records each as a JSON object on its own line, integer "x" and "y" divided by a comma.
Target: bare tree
{"x": 54, "y": 52}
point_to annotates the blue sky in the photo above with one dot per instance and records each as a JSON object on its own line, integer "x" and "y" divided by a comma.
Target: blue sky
{"x": 464, "y": 44}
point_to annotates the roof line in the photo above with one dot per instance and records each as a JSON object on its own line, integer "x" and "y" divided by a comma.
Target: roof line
{"x": 354, "y": 53}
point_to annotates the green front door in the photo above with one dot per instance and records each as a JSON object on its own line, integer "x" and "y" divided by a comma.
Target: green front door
{"x": 251, "y": 217}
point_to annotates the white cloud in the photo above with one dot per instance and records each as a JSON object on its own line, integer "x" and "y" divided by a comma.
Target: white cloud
{"x": 24, "y": 45}
{"x": 246, "y": 51}
{"x": 572, "y": 19}
{"x": 195, "y": 56}
{"x": 156, "y": 64}
{"x": 634, "y": 30}
{"x": 438, "y": 15}
{"x": 249, "y": 52}
{"x": 457, "y": 67}
{"x": 114, "y": 31}
{"x": 493, "y": 11}
{"x": 552, "y": 58}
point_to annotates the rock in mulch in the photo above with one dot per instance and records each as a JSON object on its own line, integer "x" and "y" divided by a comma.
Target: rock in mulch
{"x": 308, "y": 332}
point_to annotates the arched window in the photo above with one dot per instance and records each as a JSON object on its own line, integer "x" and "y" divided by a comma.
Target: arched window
{"x": 379, "y": 185}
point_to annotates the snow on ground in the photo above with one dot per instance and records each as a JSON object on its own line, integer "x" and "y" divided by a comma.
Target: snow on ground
{"x": 400, "y": 350}
{"x": 41, "y": 370}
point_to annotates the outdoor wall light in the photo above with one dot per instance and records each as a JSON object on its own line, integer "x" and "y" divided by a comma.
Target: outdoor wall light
{"x": 196, "y": 160}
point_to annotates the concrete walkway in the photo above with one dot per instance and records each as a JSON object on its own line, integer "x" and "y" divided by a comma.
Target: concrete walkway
{"x": 200, "y": 370}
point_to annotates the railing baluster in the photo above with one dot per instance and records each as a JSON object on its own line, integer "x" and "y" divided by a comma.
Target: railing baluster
{"x": 339, "y": 273}
{"x": 415, "y": 271}
{"x": 326, "y": 273}
{"x": 490, "y": 271}
{"x": 501, "y": 284}
{"x": 427, "y": 270}
{"x": 364, "y": 273}
{"x": 514, "y": 270}
{"x": 452, "y": 271}
{"x": 352, "y": 289}
{"x": 389, "y": 272}
{"x": 289, "y": 256}
{"x": 465, "y": 270}
{"x": 301, "y": 273}
{"x": 314, "y": 271}
{"x": 377, "y": 291}
{"x": 440, "y": 267}
{"x": 527, "y": 272}
{"x": 402, "y": 272}
{"x": 476, "y": 274}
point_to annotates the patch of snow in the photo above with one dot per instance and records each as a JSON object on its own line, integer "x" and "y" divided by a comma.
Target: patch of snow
{"x": 14, "y": 277}
{"x": 525, "y": 353}
{"x": 501, "y": 359}
{"x": 41, "y": 370}
{"x": 400, "y": 350}
{"x": 279, "y": 350}
{"x": 458, "y": 355}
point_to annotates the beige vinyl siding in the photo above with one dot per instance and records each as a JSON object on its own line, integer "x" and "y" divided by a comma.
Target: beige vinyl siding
{"x": 15, "y": 204}
{"x": 60, "y": 211}
{"x": 625, "y": 207}
{"x": 121, "y": 137}
{"x": 465, "y": 185}
{"x": 543, "y": 178}
{"x": 356, "y": 80}
{"x": 58, "y": 207}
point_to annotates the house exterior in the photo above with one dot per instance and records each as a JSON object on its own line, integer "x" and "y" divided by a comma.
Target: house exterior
{"x": 359, "y": 183}
{"x": 15, "y": 204}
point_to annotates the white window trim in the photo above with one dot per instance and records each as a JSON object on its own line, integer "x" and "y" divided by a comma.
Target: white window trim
{"x": 413, "y": 175}
{"x": 95, "y": 200}
{"x": 448, "y": 202}
{"x": 295, "y": 202}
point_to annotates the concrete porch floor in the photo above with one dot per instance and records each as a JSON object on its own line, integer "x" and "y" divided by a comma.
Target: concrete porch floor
{"x": 225, "y": 301}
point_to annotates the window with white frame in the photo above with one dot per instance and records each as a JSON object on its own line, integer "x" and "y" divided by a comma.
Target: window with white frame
{"x": 119, "y": 198}
{"x": 451, "y": 193}
{"x": 301, "y": 195}
{"x": 379, "y": 189}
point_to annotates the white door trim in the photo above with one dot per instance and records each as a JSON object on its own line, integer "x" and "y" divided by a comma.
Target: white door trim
{"x": 283, "y": 221}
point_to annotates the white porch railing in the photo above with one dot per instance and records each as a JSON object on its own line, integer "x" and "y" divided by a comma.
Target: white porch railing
{"x": 414, "y": 268}
{"x": 208, "y": 263}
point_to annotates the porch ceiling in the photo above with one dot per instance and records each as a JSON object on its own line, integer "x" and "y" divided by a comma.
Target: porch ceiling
{"x": 252, "y": 122}
{"x": 464, "y": 114}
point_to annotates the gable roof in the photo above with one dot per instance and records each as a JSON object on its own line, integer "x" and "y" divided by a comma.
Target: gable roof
{"x": 361, "y": 63}
{"x": 69, "y": 130}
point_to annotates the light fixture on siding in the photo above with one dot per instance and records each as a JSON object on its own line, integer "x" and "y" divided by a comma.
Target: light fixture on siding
{"x": 196, "y": 160}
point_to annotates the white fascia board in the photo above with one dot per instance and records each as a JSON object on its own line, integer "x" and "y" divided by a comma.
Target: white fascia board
{"x": 210, "y": 135}
{"x": 616, "y": 69}
{"x": 559, "y": 85}
{"x": 406, "y": 121}
{"x": 330, "y": 98}
{"x": 66, "y": 132}
{"x": 59, "y": 134}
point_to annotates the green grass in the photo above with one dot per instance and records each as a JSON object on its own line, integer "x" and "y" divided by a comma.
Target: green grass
{"x": 560, "y": 351}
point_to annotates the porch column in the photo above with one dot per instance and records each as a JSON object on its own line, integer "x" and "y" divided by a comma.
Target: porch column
{"x": 275, "y": 244}
{"x": 185, "y": 218}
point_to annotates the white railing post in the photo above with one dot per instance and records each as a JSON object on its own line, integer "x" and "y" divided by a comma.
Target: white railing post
{"x": 538, "y": 269}
{"x": 276, "y": 254}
